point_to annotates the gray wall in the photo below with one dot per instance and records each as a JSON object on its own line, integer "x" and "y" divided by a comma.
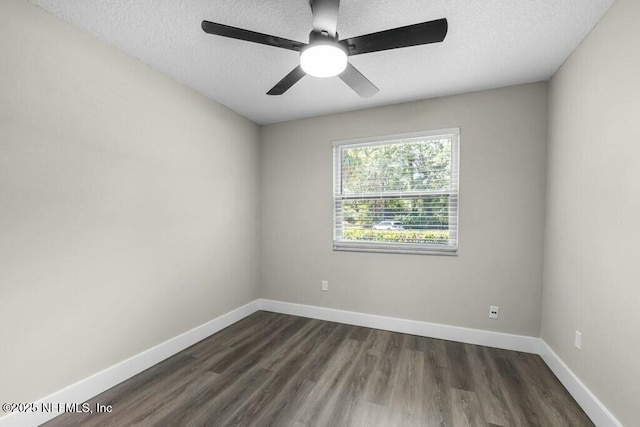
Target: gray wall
{"x": 591, "y": 281}
{"x": 502, "y": 181}
{"x": 128, "y": 210}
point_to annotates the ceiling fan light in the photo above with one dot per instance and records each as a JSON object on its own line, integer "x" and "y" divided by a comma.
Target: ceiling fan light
{"x": 323, "y": 60}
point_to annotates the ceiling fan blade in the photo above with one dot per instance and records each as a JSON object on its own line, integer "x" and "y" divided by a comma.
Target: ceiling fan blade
{"x": 411, "y": 35}
{"x": 358, "y": 82}
{"x": 250, "y": 36}
{"x": 289, "y": 80}
{"x": 325, "y": 15}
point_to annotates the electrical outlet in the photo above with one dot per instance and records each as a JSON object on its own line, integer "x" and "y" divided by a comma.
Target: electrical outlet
{"x": 578, "y": 340}
{"x": 325, "y": 286}
{"x": 494, "y": 310}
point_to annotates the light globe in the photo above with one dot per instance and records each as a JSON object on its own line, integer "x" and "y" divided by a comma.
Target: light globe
{"x": 323, "y": 60}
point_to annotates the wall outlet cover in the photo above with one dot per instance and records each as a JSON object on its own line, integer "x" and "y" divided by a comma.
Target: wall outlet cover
{"x": 494, "y": 311}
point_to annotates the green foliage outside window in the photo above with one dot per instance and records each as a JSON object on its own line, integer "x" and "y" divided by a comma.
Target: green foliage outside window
{"x": 403, "y": 168}
{"x": 397, "y": 236}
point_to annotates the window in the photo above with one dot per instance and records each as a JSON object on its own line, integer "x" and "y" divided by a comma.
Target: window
{"x": 397, "y": 193}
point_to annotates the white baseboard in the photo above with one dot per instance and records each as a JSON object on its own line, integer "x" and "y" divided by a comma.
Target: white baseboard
{"x": 413, "y": 327}
{"x": 589, "y": 403}
{"x": 89, "y": 387}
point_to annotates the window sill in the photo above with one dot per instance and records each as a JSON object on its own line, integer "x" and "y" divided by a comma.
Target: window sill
{"x": 394, "y": 249}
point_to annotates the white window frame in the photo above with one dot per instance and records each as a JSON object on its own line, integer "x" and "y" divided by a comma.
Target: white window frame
{"x": 389, "y": 247}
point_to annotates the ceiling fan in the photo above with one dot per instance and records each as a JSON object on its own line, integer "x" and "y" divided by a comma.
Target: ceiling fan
{"x": 326, "y": 55}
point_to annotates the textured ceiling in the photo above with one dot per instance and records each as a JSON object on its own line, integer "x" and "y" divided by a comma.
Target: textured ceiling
{"x": 491, "y": 43}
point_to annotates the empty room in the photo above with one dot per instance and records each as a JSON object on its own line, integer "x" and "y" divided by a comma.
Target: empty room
{"x": 319, "y": 213}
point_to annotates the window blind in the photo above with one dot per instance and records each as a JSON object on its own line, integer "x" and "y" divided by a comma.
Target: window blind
{"x": 397, "y": 194}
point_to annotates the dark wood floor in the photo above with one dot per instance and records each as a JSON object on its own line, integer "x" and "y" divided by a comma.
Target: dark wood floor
{"x": 273, "y": 369}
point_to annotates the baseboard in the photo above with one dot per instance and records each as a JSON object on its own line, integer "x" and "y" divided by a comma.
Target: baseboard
{"x": 91, "y": 386}
{"x": 433, "y": 330}
{"x": 87, "y": 388}
{"x": 589, "y": 403}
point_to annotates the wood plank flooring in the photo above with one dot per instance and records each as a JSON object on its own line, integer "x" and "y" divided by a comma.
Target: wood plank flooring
{"x": 277, "y": 370}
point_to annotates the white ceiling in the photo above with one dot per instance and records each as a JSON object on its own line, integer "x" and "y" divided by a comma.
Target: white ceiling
{"x": 491, "y": 43}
